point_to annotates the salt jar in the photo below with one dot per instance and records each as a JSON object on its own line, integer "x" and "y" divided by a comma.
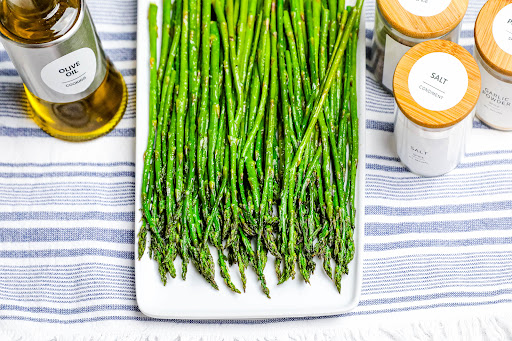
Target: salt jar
{"x": 493, "y": 53}
{"x": 401, "y": 24}
{"x": 436, "y": 86}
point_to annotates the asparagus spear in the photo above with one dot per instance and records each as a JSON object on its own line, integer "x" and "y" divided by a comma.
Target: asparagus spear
{"x": 258, "y": 111}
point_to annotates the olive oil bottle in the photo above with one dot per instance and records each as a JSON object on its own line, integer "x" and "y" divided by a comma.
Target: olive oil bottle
{"x": 75, "y": 92}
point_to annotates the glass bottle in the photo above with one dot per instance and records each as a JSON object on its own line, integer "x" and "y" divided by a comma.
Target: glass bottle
{"x": 75, "y": 92}
{"x": 401, "y": 24}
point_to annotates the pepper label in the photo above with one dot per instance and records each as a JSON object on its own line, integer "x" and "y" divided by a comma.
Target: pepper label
{"x": 502, "y": 29}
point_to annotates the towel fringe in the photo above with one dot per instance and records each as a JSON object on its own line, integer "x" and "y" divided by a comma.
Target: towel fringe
{"x": 475, "y": 329}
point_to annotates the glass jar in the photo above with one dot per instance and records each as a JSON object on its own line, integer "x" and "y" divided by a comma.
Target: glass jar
{"x": 429, "y": 151}
{"x": 436, "y": 86}
{"x": 401, "y": 24}
{"x": 493, "y": 53}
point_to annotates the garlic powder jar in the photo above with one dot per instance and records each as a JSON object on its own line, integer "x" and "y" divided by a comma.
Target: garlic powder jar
{"x": 401, "y": 24}
{"x": 436, "y": 86}
{"x": 493, "y": 52}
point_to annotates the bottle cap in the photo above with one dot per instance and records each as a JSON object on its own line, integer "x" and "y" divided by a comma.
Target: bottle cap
{"x": 423, "y": 19}
{"x": 436, "y": 84}
{"x": 493, "y": 35}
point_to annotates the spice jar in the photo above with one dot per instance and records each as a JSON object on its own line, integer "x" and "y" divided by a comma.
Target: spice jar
{"x": 401, "y": 24}
{"x": 493, "y": 52}
{"x": 436, "y": 86}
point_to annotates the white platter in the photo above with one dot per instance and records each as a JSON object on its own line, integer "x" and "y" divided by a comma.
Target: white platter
{"x": 195, "y": 298}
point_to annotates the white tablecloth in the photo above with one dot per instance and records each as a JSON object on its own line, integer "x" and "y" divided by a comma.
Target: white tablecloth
{"x": 438, "y": 252}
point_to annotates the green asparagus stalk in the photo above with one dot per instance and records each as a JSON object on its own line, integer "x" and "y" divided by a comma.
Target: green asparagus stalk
{"x": 253, "y": 139}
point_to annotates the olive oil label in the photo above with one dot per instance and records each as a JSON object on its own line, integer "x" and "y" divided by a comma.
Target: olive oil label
{"x": 502, "y": 29}
{"x": 424, "y": 8}
{"x": 438, "y": 81}
{"x": 72, "y": 73}
{"x": 394, "y": 52}
{"x": 495, "y": 103}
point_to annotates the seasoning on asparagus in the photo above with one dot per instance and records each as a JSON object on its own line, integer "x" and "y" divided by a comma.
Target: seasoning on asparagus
{"x": 253, "y": 140}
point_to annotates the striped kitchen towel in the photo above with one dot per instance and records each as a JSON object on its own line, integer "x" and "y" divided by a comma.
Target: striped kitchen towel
{"x": 438, "y": 252}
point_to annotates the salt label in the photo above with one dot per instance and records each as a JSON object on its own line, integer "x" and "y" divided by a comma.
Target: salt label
{"x": 438, "y": 81}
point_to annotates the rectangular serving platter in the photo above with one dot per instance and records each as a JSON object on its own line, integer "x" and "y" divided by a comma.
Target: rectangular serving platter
{"x": 195, "y": 298}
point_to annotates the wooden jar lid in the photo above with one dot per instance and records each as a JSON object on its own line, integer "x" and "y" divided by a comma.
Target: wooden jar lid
{"x": 443, "y": 77}
{"x": 485, "y": 37}
{"x": 422, "y": 27}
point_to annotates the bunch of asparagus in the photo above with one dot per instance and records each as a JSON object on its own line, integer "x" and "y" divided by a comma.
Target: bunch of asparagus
{"x": 253, "y": 138}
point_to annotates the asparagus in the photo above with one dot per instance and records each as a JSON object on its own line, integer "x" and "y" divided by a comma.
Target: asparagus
{"x": 253, "y": 140}
{"x": 166, "y": 29}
